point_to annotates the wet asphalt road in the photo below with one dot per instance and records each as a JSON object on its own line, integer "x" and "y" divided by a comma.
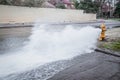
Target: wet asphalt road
{"x": 93, "y": 66}
{"x": 90, "y": 66}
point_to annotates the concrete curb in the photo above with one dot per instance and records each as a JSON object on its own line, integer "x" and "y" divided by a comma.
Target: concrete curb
{"x": 116, "y": 54}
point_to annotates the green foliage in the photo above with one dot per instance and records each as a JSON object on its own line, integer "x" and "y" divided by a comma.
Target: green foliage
{"x": 87, "y": 5}
{"x": 28, "y": 3}
{"x": 117, "y": 10}
{"x": 61, "y": 6}
{"x": 4, "y": 2}
{"x": 76, "y": 4}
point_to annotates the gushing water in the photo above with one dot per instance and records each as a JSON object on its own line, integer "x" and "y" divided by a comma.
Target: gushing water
{"x": 47, "y": 45}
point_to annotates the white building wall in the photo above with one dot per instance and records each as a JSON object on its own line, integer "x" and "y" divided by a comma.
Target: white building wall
{"x": 14, "y": 14}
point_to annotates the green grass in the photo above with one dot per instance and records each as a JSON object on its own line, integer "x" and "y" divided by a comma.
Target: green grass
{"x": 112, "y": 45}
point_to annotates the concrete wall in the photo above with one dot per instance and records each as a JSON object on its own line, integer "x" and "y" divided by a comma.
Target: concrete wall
{"x": 14, "y": 14}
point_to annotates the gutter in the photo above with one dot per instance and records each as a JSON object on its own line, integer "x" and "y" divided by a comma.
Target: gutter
{"x": 115, "y": 54}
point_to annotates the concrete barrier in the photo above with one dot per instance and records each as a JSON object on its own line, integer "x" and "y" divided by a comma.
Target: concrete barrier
{"x": 16, "y": 14}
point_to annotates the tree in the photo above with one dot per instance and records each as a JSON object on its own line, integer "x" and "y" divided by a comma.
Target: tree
{"x": 29, "y": 3}
{"x": 117, "y": 10}
{"x": 62, "y": 6}
{"x": 4, "y": 2}
{"x": 88, "y": 6}
{"x": 76, "y": 4}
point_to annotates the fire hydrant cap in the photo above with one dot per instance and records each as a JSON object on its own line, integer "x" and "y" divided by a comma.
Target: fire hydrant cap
{"x": 103, "y": 25}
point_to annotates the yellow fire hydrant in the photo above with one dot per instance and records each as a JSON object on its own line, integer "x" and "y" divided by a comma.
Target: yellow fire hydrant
{"x": 102, "y": 35}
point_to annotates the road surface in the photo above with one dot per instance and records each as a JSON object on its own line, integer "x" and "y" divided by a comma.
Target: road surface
{"x": 93, "y": 66}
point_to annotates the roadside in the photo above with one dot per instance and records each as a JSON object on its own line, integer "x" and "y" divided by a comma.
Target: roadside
{"x": 112, "y": 41}
{"x": 95, "y": 66}
{"x": 116, "y": 19}
{"x": 108, "y": 23}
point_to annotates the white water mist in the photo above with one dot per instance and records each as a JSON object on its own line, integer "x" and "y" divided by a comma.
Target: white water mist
{"x": 46, "y": 45}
